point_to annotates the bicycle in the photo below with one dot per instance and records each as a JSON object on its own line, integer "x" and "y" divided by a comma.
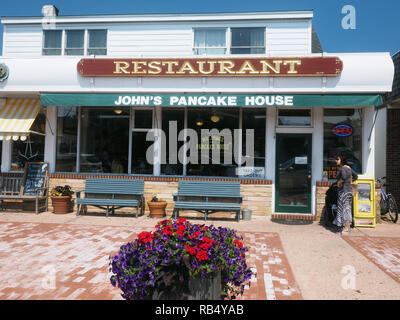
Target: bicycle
{"x": 388, "y": 203}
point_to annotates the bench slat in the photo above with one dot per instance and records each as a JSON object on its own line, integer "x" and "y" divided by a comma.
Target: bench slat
{"x": 206, "y": 205}
{"x": 109, "y": 202}
{"x": 114, "y": 186}
{"x": 209, "y": 188}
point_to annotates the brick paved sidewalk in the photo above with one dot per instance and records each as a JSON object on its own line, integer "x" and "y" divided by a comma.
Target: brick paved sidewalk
{"x": 383, "y": 251}
{"x": 32, "y": 255}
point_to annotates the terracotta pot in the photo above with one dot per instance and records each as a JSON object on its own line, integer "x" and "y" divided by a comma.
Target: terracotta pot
{"x": 157, "y": 209}
{"x": 62, "y": 204}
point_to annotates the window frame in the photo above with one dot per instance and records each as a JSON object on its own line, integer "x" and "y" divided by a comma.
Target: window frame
{"x": 87, "y": 41}
{"x": 295, "y": 126}
{"x": 66, "y": 42}
{"x": 247, "y": 47}
{"x": 226, "y": 47}
{"x": 44, "y": 41}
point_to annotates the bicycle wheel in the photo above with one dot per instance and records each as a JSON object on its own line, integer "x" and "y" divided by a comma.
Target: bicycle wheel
{"x": 392, "y": 206}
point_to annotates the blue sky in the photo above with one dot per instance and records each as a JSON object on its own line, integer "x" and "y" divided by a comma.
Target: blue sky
{"x": 377, "y": 22}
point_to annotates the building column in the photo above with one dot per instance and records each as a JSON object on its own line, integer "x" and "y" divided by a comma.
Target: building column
{"x": 368, "y": 145}
{"x": 6, "y": 156}
{"x": 270, "y": 143}
{"x": 317, "y": 155}
{"x": 157, "y": 143}
{"x": 50, "y": 143}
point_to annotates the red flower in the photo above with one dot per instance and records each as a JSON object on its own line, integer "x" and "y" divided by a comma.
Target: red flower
{"x": 202, "y": 255}
{"x": 197, "y": 233}
{"x": 190, "y": 250}
{"x": 145, "y": 237}
{"x": 167, "y": 230}
{"x": 238, "y": 243}
{"x": 181, "y": 220}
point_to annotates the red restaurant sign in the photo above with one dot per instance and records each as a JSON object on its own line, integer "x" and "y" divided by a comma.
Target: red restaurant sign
{"x": 209, "y": 67}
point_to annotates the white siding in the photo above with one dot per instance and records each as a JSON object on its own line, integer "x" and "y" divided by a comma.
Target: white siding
{"x": 283, "y": 37}
{"x": 289, "y": 38}
{"x": 22, "y": 41}
{"x": 150, "y": 40}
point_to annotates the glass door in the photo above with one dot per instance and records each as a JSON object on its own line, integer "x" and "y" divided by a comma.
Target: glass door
{"x": 142, "y": 124}
{"x": 293, "y": 173}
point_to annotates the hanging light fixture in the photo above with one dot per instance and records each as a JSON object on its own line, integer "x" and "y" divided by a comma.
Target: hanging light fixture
{"x": 118, "y": 111}
{"x": 214, "y": 118}
{"x": 199, "y": 122}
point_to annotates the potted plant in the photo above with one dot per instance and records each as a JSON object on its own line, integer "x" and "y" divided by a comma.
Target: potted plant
{"x": 61, "y": 199}
{"x": 157, "y": 207}
{"x": 180, "y": 260}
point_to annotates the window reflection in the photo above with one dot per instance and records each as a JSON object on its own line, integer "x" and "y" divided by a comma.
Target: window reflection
{"x": 342, "y": 134}
{"x": 67, "y": 133}
{"x": 104, "y": 140}
{"x": 219, "y": 119}
{"x": 32, "y": 149}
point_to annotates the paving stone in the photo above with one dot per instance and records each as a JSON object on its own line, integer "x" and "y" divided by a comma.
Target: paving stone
{"x": 70, "y": 261}
{"x": 383, "y": 251}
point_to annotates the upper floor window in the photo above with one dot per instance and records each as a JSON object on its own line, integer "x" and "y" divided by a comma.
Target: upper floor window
{"x": 52, "y": 42}
{"x": 209, "y": 41}
{"x": 74, "y": 42}
{"x": 74, "y": 45}
{"x": 247, "y": 40}
{"x": 97, "y": 44}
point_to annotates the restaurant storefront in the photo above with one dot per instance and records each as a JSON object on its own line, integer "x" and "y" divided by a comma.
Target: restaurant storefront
{"x": 274, "y": 124}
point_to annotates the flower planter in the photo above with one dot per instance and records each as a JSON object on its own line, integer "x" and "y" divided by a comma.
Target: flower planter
{"x": 157, "y": 208}
{"x": 61, "y": 205}
{"x": 181, "y": 261}
{"x": 208, "y": 288}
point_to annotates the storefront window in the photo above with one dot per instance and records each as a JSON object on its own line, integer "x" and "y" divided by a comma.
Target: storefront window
{"x": 67, "y": 137}
{"x": 342, "y": 134}
{"x": 104, "y": 141}
{"x": 32, "y": 149}
{"x": 213, "y": 144}
{"x": 253, "y": 119}
{"x": 174, "y": 120}
{"x": 295, "y": 118}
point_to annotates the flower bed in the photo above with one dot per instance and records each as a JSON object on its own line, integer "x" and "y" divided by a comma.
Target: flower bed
{"x": 158, "y": 264}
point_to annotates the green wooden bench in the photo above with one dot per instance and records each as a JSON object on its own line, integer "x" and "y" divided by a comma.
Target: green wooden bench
{"x": 111, "y": 193}
{"x": 208, "y": 197}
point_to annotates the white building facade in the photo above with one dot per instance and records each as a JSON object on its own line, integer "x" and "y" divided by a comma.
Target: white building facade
{"x": 96, "y": 85}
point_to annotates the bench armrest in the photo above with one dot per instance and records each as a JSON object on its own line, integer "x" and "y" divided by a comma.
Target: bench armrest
{"x": 176, "y": 196}
{"x": 78, "y": 193}
{"x": 37, "y": 192}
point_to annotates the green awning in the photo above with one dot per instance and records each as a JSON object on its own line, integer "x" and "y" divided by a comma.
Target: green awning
{"x": 210, "y": 100}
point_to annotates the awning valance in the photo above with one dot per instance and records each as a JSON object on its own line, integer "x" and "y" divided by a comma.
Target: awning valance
{"x": 17, "y": 117}
{"x": 210, "y": 100}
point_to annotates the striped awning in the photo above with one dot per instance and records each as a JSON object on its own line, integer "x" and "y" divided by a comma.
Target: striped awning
{"x": 17, "y": 117}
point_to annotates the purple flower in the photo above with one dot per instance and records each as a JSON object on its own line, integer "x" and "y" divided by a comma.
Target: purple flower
{"x": 136, "y": 269}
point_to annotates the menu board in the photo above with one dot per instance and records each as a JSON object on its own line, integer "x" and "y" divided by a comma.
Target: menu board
{"x": 35, "y": 177}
